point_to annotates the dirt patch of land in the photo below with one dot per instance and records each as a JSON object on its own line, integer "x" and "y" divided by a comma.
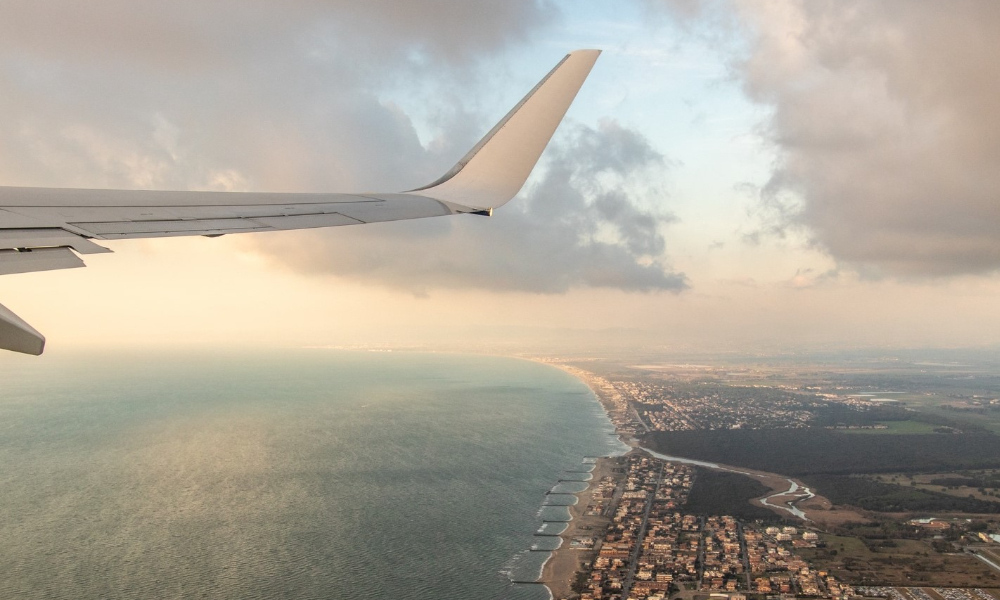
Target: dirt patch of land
{"x": 817, "y": 509}
{"x": 825, "y": 514}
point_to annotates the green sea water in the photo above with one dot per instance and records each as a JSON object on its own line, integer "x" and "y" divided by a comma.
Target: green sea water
{"x": 298, "y": 474}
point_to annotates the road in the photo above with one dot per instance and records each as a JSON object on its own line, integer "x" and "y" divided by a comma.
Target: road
{"x": 746, "y": 555}
{"x": 639, "y": 419}
{"x": 634, "y": 559}
{"x": 987, "y": 561}
{"x": 701, "y": 551}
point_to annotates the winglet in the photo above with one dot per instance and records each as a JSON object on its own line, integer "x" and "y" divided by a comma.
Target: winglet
{"x": 496, "y": 168}
{"x": 17, "y": 335}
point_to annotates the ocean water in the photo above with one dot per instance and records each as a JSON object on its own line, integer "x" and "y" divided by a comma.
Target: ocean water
{"x": 300, "y": 474}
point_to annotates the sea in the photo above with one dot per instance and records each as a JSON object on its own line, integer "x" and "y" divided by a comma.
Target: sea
{"x": 306, "y": 474}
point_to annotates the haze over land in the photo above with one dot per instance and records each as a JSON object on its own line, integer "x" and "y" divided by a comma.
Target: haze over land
{"x": 733, "y": 175}
{"x": 752, "y": 214}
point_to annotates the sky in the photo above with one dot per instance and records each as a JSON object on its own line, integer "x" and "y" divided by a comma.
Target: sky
{"x": 735, "y": 175}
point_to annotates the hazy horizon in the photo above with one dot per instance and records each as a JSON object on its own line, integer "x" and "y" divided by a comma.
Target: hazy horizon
{"x": 734, "y": 175}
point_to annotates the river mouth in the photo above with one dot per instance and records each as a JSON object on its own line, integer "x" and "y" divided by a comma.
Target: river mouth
{"x": 789, "y": 505}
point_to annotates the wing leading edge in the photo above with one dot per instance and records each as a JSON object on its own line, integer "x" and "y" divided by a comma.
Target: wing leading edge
{"x": 47, "y": 228}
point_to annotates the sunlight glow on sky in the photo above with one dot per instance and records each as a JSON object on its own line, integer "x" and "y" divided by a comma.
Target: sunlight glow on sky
{"x": 781, "y": 157}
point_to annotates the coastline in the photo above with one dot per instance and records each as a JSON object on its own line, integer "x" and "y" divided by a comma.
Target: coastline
{"x": 565, "y": 563}
{"x": 614, "y": 405}
{"x": 786, "y": 495}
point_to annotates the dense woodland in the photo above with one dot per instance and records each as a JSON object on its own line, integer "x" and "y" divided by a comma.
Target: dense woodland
{"x": 826, "y": 451}
{"x": 721, "y": 493}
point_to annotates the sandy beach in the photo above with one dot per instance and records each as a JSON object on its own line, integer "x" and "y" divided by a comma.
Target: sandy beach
{"x": 561, "y": 568}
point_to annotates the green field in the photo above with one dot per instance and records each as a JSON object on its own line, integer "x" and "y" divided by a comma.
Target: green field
{"x": 938, "y": 405}
{"x": 937, "y": 482}
{"x": 871, "y": 494}
{"x": 852, "y": 546}
{"x": 896, "y": 427}
{"x": 903, "y": 563}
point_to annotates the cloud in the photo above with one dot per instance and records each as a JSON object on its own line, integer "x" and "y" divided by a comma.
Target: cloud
{"x": 886, "y": 124}
{"x": 283, "y": 95}
{"x": 312, "y": 95}
{"x": 591, "y": 220}
{"x": 187, "y": 35}
{"x": 811, "y": 278}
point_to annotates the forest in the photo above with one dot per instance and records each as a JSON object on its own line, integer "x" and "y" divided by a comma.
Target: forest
{"x": 721, "y": 493}
{"x": 826, "y": 451}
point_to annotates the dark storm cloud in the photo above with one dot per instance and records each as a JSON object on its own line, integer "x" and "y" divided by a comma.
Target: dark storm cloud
{"x": 575, "y": 227}
{"x": 887, "y": 125}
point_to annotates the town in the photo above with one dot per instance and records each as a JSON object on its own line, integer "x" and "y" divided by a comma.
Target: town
{"x": 653, "y": 548}
{"x": 657, "y": 542}
{"x": 638, "y": 406}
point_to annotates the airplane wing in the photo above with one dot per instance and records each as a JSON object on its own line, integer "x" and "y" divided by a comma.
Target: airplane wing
{"x": 43, "y": 229}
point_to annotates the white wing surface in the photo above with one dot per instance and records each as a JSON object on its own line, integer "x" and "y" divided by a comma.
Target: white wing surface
{"x": 43, "y": 229}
